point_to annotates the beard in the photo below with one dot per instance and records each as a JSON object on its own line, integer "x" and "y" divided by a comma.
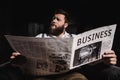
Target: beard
{"x": 56, "y": 31}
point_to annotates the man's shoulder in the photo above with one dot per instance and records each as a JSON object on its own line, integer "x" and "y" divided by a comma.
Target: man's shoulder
{"x": 41, "y": 35}
{"x": 69, "y": 34}
{"x": 73, "y": 35}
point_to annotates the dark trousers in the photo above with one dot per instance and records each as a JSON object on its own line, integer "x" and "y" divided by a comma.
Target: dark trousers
{"x": 101, "y": 72}
{"x": 9, "y": 72}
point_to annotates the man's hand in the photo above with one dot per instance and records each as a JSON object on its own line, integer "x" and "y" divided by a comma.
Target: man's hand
{"x": 14, "y": 55}
{"x": 18, "y": 59}
{"x": 109, "y": 57}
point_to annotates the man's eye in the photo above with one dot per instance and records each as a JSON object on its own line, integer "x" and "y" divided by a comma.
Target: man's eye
{"x": 58, "y": 19}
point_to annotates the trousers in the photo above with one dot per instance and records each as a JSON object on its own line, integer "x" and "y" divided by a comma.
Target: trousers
{"x": 101, "y": 72}
{"x": 69, "y": 76}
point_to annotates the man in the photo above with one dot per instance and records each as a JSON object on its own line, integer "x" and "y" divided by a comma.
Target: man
{"x": 57, "y": 29}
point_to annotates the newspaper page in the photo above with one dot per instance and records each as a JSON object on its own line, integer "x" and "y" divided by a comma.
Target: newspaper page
{"x": 47, "y": 56}
{"x": 90, "y": 45}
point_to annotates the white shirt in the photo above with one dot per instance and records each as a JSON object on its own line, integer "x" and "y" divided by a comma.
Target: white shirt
{"x": 44, "y": 35}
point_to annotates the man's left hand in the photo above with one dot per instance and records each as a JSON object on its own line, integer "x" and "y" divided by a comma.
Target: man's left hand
{"x": 109, "y": 57}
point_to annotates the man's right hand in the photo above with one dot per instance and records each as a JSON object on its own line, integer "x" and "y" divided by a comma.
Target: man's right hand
{"x": 14, "y": 55}
{"x": 18, "y": 59}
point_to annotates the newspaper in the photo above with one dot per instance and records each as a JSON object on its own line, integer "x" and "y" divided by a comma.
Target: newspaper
{"x": 47, "y": 56}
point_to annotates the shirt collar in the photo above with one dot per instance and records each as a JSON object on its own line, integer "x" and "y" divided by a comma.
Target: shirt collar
{"x": 63, "y": 36}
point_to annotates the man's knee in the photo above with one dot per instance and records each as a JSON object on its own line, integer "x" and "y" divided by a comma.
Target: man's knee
{"x": 73, "y": 76}
{"x": 112, "y": 70}
{"x": 111, "y": 73}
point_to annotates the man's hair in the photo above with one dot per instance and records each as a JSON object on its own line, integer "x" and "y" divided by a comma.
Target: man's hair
{"x": 61, "y": 11}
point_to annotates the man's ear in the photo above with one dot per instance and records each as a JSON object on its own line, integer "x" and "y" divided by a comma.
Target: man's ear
{"x": 66, "y": 25}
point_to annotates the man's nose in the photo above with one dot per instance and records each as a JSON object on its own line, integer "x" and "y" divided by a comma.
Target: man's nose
{"x": 54, "y": 20}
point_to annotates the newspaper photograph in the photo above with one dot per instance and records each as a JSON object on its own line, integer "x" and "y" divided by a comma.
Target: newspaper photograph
{"x": 47, "y": 56}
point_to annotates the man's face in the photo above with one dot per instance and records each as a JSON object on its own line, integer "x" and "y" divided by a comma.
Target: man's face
{"x": 57, "y": 25}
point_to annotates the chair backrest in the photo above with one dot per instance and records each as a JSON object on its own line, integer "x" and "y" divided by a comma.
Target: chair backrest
{"x": 35, "y": 28}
